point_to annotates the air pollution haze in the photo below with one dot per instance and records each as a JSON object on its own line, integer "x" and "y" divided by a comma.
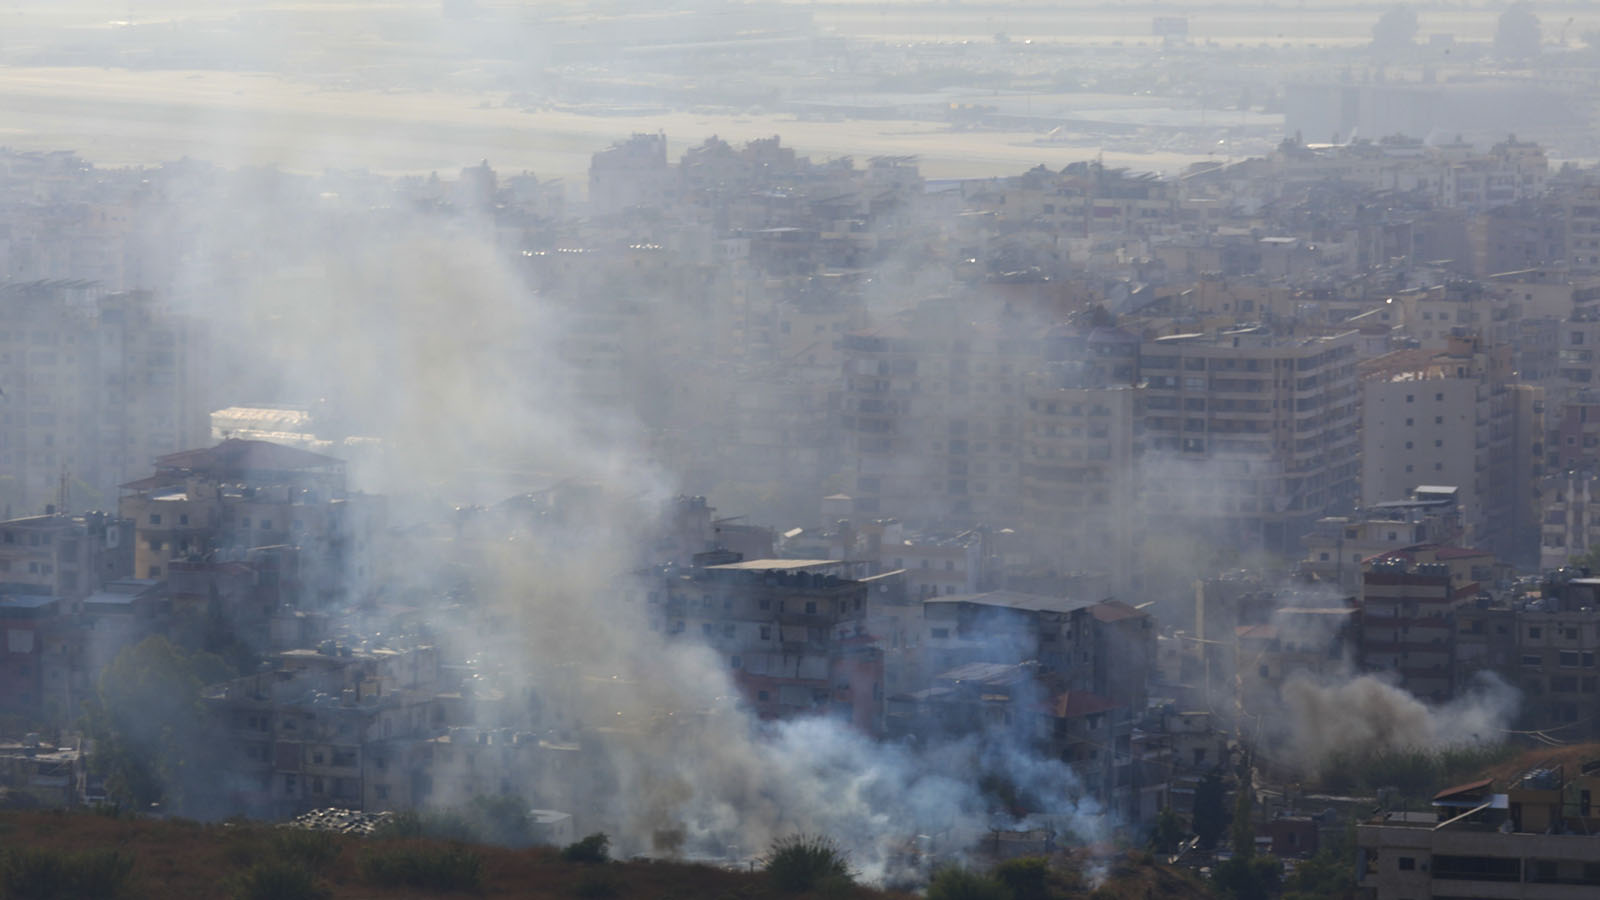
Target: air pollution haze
{"x": 894, "y": 287}
{"x": 436, "y": 346}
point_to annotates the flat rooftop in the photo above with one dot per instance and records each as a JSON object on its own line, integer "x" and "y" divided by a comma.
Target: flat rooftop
{"x": 777, "y": 565}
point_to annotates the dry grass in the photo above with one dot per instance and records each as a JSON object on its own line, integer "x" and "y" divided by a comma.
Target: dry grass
{"x": 176, "y": 860}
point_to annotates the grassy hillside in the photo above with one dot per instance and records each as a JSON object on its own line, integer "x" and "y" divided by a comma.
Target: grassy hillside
{"x": 179, "y": 860}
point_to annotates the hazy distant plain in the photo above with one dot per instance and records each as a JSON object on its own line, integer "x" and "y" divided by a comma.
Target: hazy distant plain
{"x": 120, "y": 116}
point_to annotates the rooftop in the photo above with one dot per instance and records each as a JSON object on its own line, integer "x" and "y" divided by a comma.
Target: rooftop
{"x": 1015, "y": 600}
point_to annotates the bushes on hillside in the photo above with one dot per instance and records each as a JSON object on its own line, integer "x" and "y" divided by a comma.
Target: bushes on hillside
{"x": 800, "y": 863}
{"x": 277, "y": 879}
{"x": 449, "y": 869}
{"x": 956, "y": 883}
{"x": 595, "y": 848}
{"x": 51, "y": 874}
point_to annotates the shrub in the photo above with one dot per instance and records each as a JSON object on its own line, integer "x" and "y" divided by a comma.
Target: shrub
{"x": 801, "y": 863}
{"x": 956, "y": 883}
{"x": 277, "y": 879}
{"x": 595, "y": 884}
{"x": 312, "y": 849}
{"x": 595, "y": 848}
{"x": 452, "y": 869}
{"x": 47, "y": 874}
{"x": 448, "y": 825}
{"x": 1027, "y": 878}
{"x": 404, "y": 824}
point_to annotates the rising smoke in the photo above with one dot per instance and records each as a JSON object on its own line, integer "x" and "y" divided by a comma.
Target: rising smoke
{"x": 1365, "y": 715}
{"x": 425, "y": 335}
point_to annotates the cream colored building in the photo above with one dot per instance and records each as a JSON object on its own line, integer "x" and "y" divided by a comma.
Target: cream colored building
{"x": 1249, "y": 435}
{"x": 1455, "y": 418}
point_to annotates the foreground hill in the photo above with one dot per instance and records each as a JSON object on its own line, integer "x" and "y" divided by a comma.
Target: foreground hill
{"x": 182, "y": 860}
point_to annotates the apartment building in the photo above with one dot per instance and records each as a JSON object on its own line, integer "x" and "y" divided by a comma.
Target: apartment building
{"x": 1081, "y": 451}
{"x": 94, "y": 386}
{"x": 1407, "y": 625}
{"x": 1249, "y": 435}
{"x": 326, "y": 727}
{"x": 932, "y": 417}
{"x": 1456, "y": 418}
{"x": 1534, "y": 839}
{"x": 1337, "y": 545}
{"x": 66, "y": 556}
{"x": 27, "y": 616}
{"x": 792, "y": 632}
{"x": 1545, "y": 644}
{"x": 225, "y": 500}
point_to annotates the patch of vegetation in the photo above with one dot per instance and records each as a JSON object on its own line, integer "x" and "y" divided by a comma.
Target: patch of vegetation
{"x": 1247, "y": 878}
{"x": 449, "y": 869}
{"x": 800, "y": 863}
{"x": 1034, "y": 878}
{"x": 311, "y": 849}
{"x": 485, "y": 820}
{"x": 1330, "y": 875}
{"x": 276, "y": 879}
{"x": 595, "y": 848}
{"x": 1412, "y": 772}
{"x": 956, "y": 883}
{"x": 27, "y": 874}
{"x": 596, "y": 884}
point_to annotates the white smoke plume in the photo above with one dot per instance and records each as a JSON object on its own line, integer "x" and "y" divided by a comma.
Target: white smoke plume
{"x": 1365, "y": 715}
{"x": 423, "y": 334}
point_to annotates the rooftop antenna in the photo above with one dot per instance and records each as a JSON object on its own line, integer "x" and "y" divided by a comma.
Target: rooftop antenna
{"x": 61, "y": 493}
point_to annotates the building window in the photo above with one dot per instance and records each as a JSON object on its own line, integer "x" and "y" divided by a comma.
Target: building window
{"x": 1438, "y": 420}
{"x": 766, "y": 632}
{"x": 762, "y": 696}
{"x": 1408, "y": 863}
{"x": 1535, "y": 632}
{"x": 155, "y": 518}
{"x": 736, "y": 662}
{"x": 1410, "y": 397}
{"x": 941, "y": 633}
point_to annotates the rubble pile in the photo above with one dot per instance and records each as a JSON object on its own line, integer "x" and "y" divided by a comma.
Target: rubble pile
{"x": 344, "y": 821}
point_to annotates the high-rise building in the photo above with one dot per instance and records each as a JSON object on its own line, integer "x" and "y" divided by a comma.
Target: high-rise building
{"x": 94, "y": 386}
{"x": 1455, "y": 419}
{"x": 1249, "y": 434}
{"x": 1081, "y": 449}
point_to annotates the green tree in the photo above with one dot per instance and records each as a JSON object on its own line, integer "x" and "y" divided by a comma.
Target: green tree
{"x": 1210, "y": 816}
{"x": 1329, "y": 875}
{"x": 1244, "y": 826}
{"x": 1252, "y": 878}
{"x": 1167, "y": 833}
{"x": 800, "y": 863}
{"x": 148, "y": 723}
